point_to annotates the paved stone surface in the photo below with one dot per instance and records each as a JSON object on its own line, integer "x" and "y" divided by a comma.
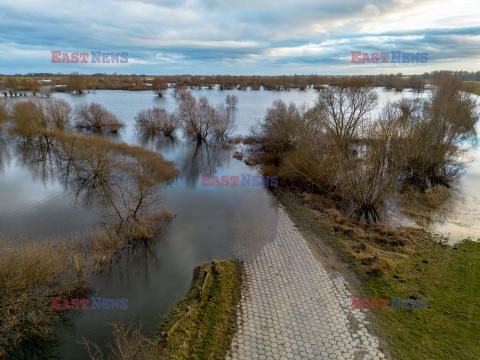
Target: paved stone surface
{"x": 291, "y": 308}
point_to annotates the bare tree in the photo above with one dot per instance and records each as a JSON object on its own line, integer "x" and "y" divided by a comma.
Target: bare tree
{"x": 279, "y": 131}
{"x": 223, "y": 124}
{"x": 159, "y": 86}
{"x": 436, "y": 134}
{"x": 231, "y": 101}
{"x": 370, "y": 177}
{"x": 77, "y": 83}
{"x": 196, "y": 116}
{"x": 156, "y": 120}
{"x": 342, "y": 110}
{"x": 95, "y": 117}
{"x": 416, "y": 83}
{"x": 59, "y": 113}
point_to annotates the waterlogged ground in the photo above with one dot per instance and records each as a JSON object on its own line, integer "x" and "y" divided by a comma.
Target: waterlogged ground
{"x": 209, "y": 221}
{"x": 459, "y": 218}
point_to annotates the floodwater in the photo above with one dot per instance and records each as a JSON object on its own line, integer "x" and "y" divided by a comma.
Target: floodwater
{"x": 210, "y": 223}
{"x": 459, "y": 217}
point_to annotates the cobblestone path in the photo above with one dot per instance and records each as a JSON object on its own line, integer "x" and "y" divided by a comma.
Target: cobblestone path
{"x": 292, "y": 308}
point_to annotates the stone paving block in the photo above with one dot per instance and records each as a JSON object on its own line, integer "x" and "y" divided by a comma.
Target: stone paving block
{"x": 291, "y": 307}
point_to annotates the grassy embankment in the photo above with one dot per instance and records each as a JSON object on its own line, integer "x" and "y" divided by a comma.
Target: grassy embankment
{"x": 200, "y": 326}
{"x": 418, "y": 267}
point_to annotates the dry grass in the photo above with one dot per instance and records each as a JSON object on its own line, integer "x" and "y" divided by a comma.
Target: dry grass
{"x": 123, "y": 177}
{"x": 200, "y": 326}
{"x": 420, "y": 206}
{"x": 375, "y": 248}
{"x": 31, "y": 273}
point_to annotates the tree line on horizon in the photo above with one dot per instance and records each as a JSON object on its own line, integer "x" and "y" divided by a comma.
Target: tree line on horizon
{"x": 44, "y": 84}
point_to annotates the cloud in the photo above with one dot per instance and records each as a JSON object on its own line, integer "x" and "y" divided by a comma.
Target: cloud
{"x": 249, "y": 36}
{"x": 371, "y": 10}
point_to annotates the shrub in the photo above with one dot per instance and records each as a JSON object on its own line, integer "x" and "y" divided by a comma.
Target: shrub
{"x": 416, "y": 83}
{"x": 3, "y": 112}
{"x": 156, "y": 120}
{"x": 95, "y": 117}
{"x": 436, "y": 134}
{"x": 31, "y": 273}
{"x": 202, "y": 122}
{"x": 231, "y": 101}
{"x": 278, "y": 133}
{"x": 28, "y": 118}
{"x": 159, "y": 86}
{"x": 76, "y": 83}
{"x": 58, "y": 113}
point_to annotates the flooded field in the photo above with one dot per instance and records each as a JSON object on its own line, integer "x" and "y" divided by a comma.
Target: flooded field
{"x": 210, "y": 222}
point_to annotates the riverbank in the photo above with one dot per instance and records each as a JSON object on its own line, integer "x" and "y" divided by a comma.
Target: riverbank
{"x": 447, "y": 277}
{"x": 200, "y": 326}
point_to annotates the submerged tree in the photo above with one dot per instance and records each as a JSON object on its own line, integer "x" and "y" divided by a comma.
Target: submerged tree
{"x": 59, "y": 113}
{"x": 3, "y": 112}
{"x": 201, "y": 121}
{"x": 436, "y": 134}
{"x": 343, "y": 110}
{"x": 156, "y": 120}
{"x": 77, "y": 83}
{"x": 278, "y": 133}
{"x": 95, "y": 117}
{"x": 159, "y": 86}
{"x": 231, "y": 101}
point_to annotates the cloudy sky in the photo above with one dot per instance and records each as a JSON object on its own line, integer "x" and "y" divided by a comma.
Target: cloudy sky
{"x": 239, "y": 36}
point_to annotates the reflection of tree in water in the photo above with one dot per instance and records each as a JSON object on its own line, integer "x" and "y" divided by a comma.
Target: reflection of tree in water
{"x": 37, "y": 154}
{"x": 156, "y": 142}
{"x": 123, "y": 182}
{"x": 4, "y": 153}
{"x": 202, "y": 159}
{"x": 136, "y": 262}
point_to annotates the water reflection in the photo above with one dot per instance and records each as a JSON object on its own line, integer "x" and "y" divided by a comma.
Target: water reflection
{"x": 36, "y": 153}
{"x": 4, "y": 153}
{"x": 116, "y": 184}
{"x": 157, "y": 142}
{"x": 202, "y": 159}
